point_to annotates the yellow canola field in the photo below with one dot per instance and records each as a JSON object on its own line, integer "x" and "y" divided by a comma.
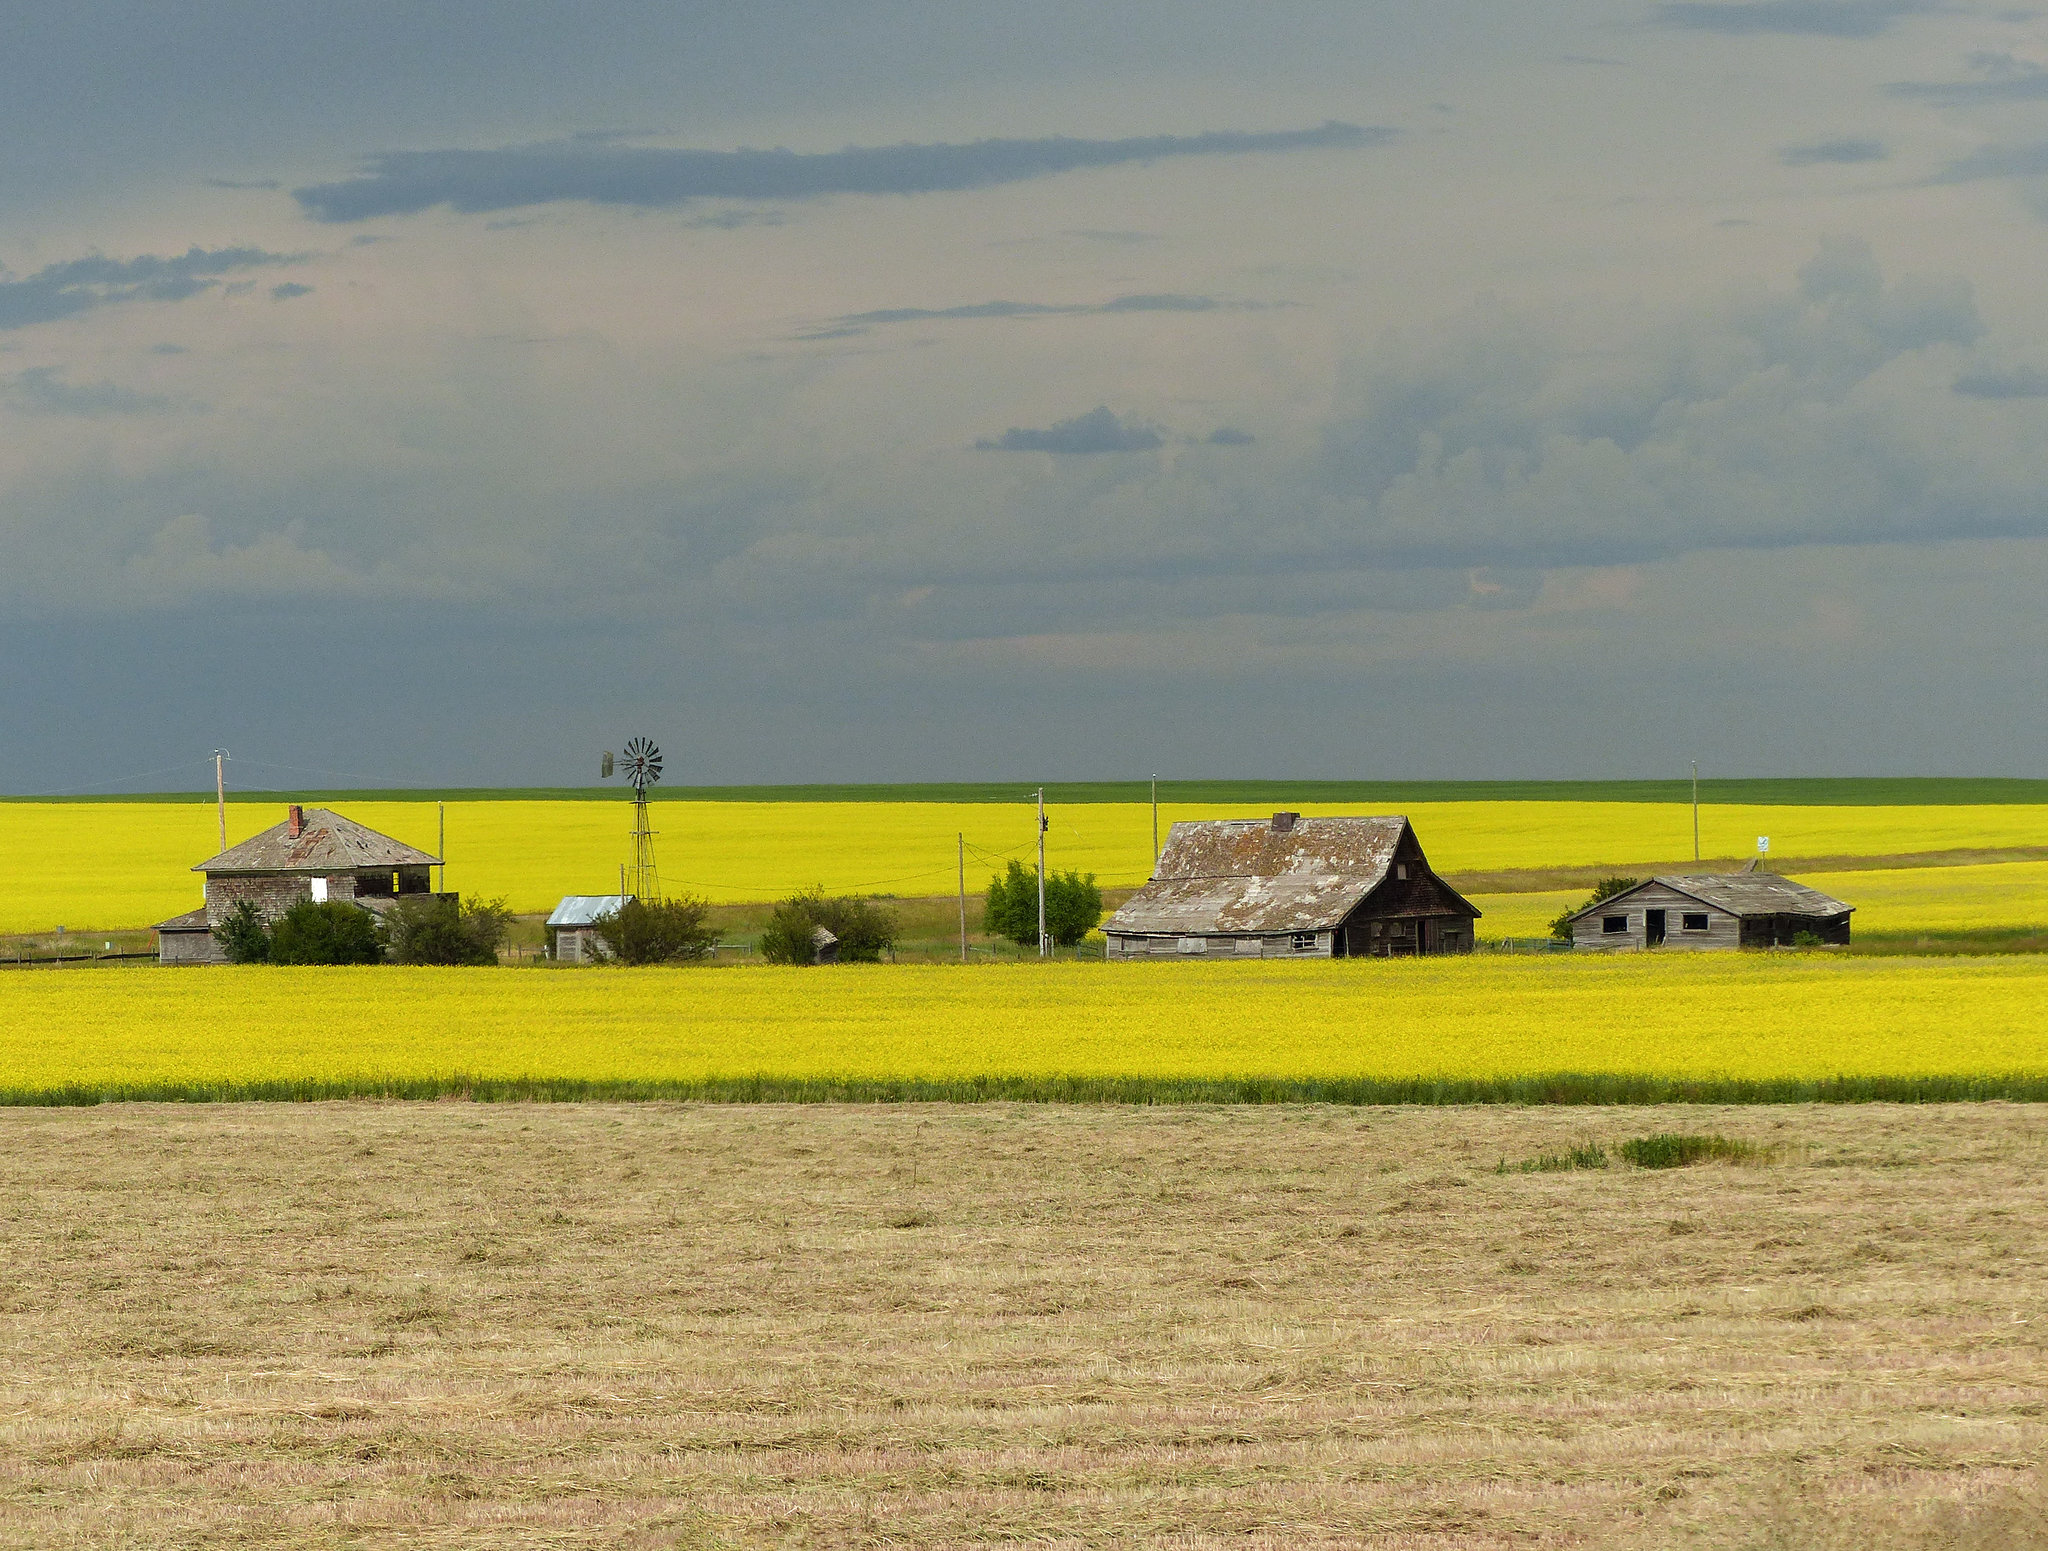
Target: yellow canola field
{"x": 111, "y": 865}
{"x": 1745, "y": 1017}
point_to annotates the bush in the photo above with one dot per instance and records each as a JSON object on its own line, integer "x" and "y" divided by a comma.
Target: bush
{"x": 1673, "y": 1150}
{"x": 327, "y": 932}
{"x": 1073, "y": 906}
{"x": 242, "y": 936}
{"x": 429, "y": 929}
{"x": 1605, "y": 889}
{"x": 865, "y": 929}
{"x": 657, "y": 931}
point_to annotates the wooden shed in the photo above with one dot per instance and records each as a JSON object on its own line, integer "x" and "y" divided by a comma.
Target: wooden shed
{"x": 1712, "y": 910}
{"x": 572, "y": 927}
{"x": 1290, "y": 887}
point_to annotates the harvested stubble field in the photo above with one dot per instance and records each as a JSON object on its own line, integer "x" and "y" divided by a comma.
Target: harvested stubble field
{"x": 358, "y": 1324}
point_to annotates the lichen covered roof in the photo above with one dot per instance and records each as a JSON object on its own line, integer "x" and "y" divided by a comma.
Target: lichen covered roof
{"x": 1742, "y": 894}
{"x": 1243, "y": 875}
{"x": 327, "y": 843}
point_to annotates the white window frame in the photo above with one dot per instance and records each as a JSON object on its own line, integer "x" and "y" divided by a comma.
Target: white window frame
{"x": 1303, "y": 942}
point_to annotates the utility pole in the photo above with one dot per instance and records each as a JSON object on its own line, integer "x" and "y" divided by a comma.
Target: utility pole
{"x": 963, "y": 896}
{"x": 1041, "y": 872}
{"x": 1695, "y": 810}
{"x": 220, "y": 792}
{"x": 1155, "y": 821}
{"x": 441, "y": 841}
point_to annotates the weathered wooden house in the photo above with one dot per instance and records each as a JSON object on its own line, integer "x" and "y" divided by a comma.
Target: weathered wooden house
{"x": 1290, "y": 887}
{"x": 314, "y": 854}
{"x": 572, "y": 928}
{"x": 1712, "y": 910}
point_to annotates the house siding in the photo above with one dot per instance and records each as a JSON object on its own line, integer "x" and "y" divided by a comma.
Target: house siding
{"x": 1723, "y": 929}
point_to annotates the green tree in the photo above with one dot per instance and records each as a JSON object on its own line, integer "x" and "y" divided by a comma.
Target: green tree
{"x": 1605, "y": 889}
{"x": 434, "y": 929}
{"x": 1011, "y": 908}
{"x": 326, "y": 932}
{"x": 243, "y": 937}
{"x": 1073, "y": 906}
{"x": 866, "y": 930}
{"x": 657, "y": 931}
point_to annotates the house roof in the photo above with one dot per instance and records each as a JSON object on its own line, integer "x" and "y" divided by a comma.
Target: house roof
{"x": 584, "y": 909}
{"x": 190, "y": 921}
{"x": 326, "y": 843}
{"x": 1740, "y": 894}
{"x": 1244, "y": 875}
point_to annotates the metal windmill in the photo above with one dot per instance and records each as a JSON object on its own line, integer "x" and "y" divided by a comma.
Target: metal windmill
{"x": 640, "y": 763}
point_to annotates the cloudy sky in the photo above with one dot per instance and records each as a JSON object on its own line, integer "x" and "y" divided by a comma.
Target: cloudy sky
{"x": 445, "y": 392}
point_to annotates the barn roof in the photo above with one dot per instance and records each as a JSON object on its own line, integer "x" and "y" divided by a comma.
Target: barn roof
{"x": 584, "y": 909}
{"x": 1246, "y": 875}
{"x": 1741, "y": 894}
{"x": 326, "y": 843}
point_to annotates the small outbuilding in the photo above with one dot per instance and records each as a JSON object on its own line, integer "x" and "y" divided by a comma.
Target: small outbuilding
{"x": 572, "y": 929}
{"x": 314, "y": 854}
{"x": 1712, "y": 910}
{"x": 1290, "y": 887}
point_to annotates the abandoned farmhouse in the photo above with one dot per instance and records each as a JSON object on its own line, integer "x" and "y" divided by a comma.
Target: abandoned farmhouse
{"x": 1290, "y": 887}
{"x": 1717, "y": 910}
{"x": 314, "y": 854}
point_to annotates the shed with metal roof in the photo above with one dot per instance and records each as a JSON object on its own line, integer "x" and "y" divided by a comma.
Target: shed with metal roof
{"x": 572, "y": 928}
{"x": 1292, "y": 887}
{"x": 1712, "y": 910}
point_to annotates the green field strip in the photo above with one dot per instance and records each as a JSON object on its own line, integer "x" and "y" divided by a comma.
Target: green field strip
{"x": 1765, "y": 791}
{"x": 1557, "y": 1088}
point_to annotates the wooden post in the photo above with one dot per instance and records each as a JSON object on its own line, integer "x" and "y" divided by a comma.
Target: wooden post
{"x": 1041, "y": 872}
{"x": 441, "y": 842}
{"x": 963, "y": 896}
{"x": 1155, "y": 821}
{"x": 1695, "y": 810}
{"x": 220, "y": 792}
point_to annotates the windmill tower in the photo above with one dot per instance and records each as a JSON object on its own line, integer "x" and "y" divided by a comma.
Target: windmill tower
{"x": 640, "y": 763}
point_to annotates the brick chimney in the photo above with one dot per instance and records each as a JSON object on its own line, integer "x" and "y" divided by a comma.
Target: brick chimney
{"x": 298, "y": 816}
{"x": 1283, "y": 823}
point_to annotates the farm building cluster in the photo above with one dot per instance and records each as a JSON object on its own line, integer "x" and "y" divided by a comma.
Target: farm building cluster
{"x": 1284, "y": 887}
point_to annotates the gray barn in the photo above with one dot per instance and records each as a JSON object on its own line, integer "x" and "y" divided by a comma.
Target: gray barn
{"x": 1712, "y": 910}
{"x": 314, "y": 854}
{"x": 1291, "y": 887}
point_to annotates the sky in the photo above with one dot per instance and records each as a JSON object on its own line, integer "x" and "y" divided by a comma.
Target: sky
{"x": 443, "y": 393}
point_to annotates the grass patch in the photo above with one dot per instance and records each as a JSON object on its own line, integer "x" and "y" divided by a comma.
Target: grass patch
{"x": 1591, "y": 1156}
{"x": 1676, "y": 1149}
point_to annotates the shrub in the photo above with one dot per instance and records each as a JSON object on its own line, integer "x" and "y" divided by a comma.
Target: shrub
{"x": 242, "y": 936}
{"x": 1672, "y": 1150}
{"x": 1605, "y": 889}
{"x": 1073, "y": 906}
{"x": 1591, "y": 1156}
{"x": 865, "y": 929}
{"x": 658, "y": 931}
{"x": 326, "y": 932}
{"x": 432, "y": 929}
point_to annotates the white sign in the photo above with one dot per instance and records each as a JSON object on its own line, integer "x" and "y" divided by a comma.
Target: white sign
{"x": 1763, "y": 844}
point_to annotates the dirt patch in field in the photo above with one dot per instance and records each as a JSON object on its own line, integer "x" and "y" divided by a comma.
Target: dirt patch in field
{"x": 664, "y": 1325}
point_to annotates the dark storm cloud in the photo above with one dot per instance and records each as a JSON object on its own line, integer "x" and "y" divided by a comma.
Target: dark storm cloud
{"x": 291, "y": 288}
{"x": 1809, "y": 18}
{"x": 403, "y": 182}
{"x": 858, "y": 322}
{"x": 79, "y": 285}
{"x": 2023, "y": 382}
{"x": 1096, "y": 431}
{"x": 1833, "y": 151}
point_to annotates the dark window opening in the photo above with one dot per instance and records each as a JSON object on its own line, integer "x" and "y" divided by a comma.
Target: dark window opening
{"x": 1695, "y": 923}
{"x": 1610, "y": 925}
{"x": 1303, "y": 942}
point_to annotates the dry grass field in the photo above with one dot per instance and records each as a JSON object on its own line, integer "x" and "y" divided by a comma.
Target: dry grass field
{"x": 583, "y": 1325}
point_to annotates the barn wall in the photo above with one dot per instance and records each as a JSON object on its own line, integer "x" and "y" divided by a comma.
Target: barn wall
{"x": 272, "y": 893}
{"x": 188, "y": 948}
{"x": 1723, "y": 929}
{"x": 1269, "y": 946}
